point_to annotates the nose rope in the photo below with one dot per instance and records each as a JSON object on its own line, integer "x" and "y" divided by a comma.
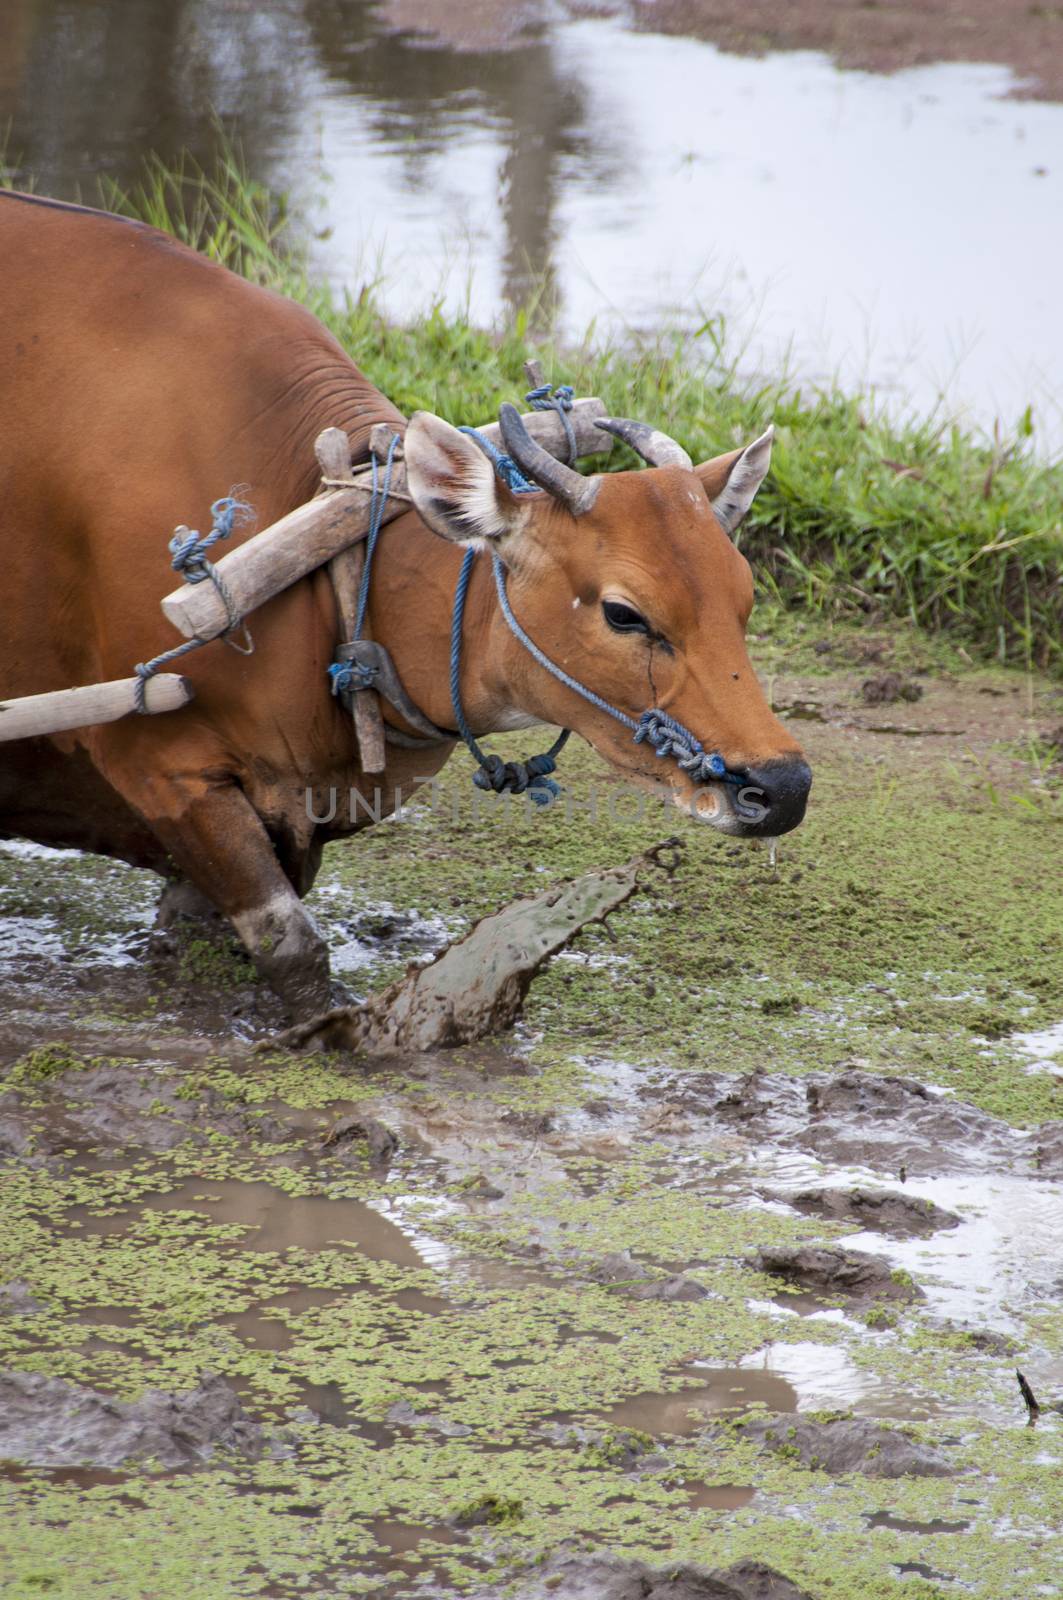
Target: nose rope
{"x": 663, "y": 733}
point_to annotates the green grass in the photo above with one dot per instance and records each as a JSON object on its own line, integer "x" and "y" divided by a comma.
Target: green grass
{"x": 861, "y": 516}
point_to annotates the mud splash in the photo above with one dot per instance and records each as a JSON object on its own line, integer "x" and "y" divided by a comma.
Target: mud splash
{"x": 476, "y": 987}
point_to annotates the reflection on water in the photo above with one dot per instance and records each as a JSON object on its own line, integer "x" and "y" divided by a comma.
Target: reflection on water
{"x": 836, "y": 215}
{"x": 1004, "y": 1254}
{"x": 825, "y": 1377}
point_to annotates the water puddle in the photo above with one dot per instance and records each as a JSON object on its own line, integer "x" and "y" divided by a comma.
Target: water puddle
{"x": 724, "y": 1391}
{"x": 886, "y": 1519}
{"x": 68, "y": 1477}
{"x": 809, "y": 1307}
{"x": 1002, "y": 1257}
{"x": 523, "y": 165}
{"x": 719, "y": 1496}
{"x": 1044, "y": 1045}
{"x": 86, "y": 909}
{"x": 330, "y": 1406}
{"x": 270, "y": 1219}
{"x": 258, "y": 1327}
{"x": 403, "y": 1537}
{"x": 920, "y": 1569}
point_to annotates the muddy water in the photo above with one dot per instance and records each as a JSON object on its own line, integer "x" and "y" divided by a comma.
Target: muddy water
{"x": 270, "y": 1219}
{"x": 836, "y": 218}
{"x": 439, "y": 1340}
{"x": 728, "y": 1390}
{"x": 1005, "y": 1249}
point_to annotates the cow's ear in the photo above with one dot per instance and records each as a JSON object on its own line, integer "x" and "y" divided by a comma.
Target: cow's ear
{"x": 455, "y": 487}
{"x": 731, "y": 481}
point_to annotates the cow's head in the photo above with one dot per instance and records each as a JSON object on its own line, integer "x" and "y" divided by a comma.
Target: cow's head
{"x": 631, "y": 583}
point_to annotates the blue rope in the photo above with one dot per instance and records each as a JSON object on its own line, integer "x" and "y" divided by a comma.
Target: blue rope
{"x": 189, "y": 557}
{"x": 347, "y": 675}
{"x": 656, "y": 728}
{"x": 559, "y": 399}
{"x": 377, "y": 505}
{"x": 492, "y": 773}
{"x": 505, "y": 466}
{"x": 189, "y": 551}
{"x": 662, "y": 732}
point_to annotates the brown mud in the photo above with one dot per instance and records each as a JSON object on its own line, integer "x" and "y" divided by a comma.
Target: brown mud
{"x": 605, "y": 1578}
{"x": 880, "y": 1210}
{"x": 47, "y": 1423}
{"x": 848, "y": 1444}
{"x": 545, "y": 1315}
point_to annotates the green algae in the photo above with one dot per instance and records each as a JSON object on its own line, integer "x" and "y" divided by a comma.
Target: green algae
{"x": 789, "y": 966}
{"x": 909, "y": 927}
{"x": 184, "y": 1277}
{"x": 219, "y": 962}
{"x": 46, "y": 1062}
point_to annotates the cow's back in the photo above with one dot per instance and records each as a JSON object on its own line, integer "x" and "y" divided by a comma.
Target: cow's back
{"x": 138, "y": 383}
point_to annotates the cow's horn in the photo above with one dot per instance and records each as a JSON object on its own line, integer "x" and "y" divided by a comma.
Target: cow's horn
{"x": 571, "y": 488}
{"x": 658, "y": 449}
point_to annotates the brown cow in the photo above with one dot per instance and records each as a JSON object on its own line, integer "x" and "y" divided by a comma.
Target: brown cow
{"x": 138, "y": 382}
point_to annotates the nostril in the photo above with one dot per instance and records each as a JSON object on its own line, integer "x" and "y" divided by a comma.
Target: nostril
{"x": 774, "y": 796}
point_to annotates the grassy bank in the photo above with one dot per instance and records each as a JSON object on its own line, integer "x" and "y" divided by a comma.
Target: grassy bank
{"x": 860, "y": 516}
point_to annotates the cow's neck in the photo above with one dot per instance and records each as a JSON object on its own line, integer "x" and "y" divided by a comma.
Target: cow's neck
{"x": 410, "y": 610}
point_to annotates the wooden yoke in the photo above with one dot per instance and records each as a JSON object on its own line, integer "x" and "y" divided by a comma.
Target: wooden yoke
{"x": 313, "y": 533}
{"x": 333, "y": 451}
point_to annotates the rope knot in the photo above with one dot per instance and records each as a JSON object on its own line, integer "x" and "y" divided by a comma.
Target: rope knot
{"x": 189, "y": 551}
{"x": 189, "y": 558}
{"x": 518, "y": 777}
{"x": 667, "y": 737}
{"x": 559, "y": 398}
{"x": 347, "y": 676}
{"x": 504, "y": 465}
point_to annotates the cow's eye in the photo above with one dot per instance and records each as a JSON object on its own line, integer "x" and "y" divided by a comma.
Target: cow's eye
{"x": 624, "y": 619}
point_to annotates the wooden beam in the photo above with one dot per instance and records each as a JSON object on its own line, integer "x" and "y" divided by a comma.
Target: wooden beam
{"x": 37, "y": 714}
{"x": 333, "y": 450}
{"x": 312, "y": 534}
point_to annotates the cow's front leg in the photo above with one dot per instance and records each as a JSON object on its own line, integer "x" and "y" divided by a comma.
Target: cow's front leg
{"x": 221, "y": 848}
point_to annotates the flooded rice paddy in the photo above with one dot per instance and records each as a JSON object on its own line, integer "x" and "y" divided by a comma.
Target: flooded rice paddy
{"x": 727, "y": 1255}
{"x": 606, "y": 158}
